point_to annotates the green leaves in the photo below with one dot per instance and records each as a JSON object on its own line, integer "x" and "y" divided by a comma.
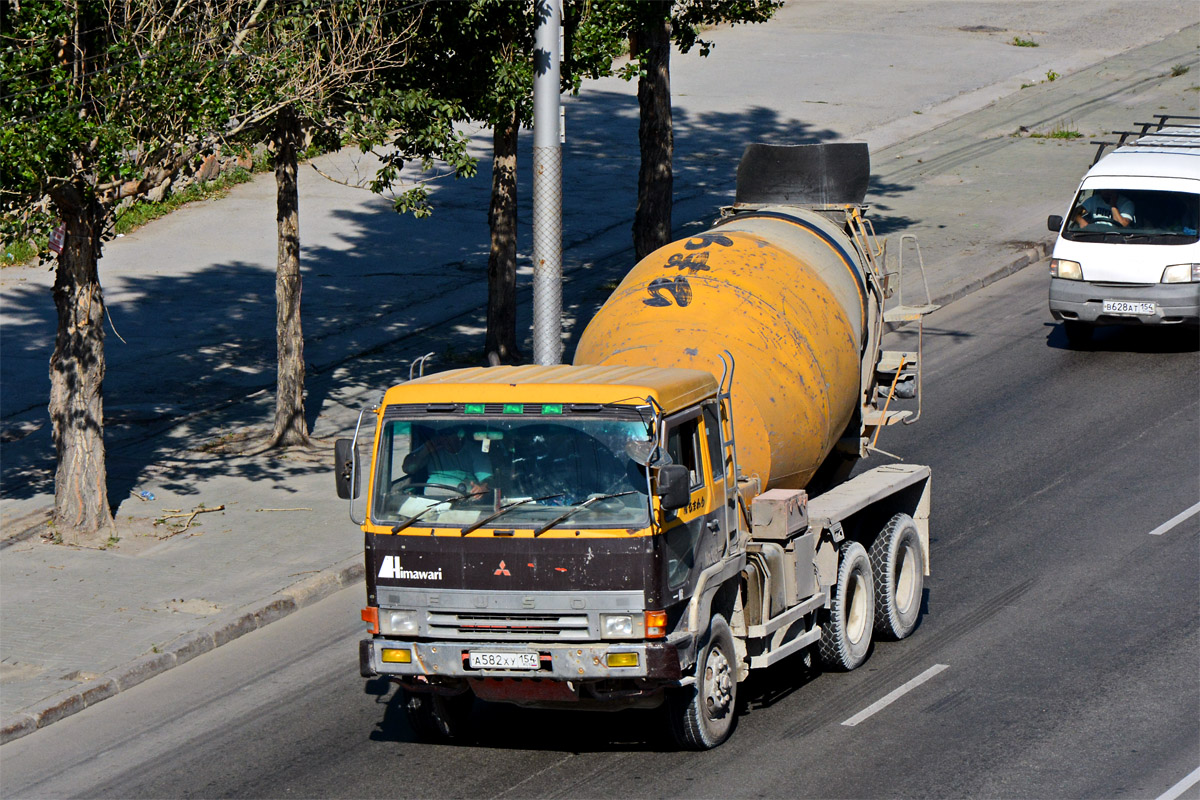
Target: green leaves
{"x": 600, "y": 30}
{"x": 96, "y": 93}
{"x": 94, "y": 98}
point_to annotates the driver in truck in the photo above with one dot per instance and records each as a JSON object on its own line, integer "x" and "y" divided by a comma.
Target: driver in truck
{"x": 1105, "y": 207}
{"x": 453, "y": 461}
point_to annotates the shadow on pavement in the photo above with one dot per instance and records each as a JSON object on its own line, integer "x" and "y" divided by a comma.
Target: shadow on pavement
{"x": 1129, "y": 339}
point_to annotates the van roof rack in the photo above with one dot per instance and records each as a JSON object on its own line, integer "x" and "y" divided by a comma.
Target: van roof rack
{"x": 1147, "y": 128}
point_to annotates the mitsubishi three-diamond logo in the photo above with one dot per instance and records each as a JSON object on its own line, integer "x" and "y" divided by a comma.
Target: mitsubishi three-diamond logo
{"x": 503, "y": 570}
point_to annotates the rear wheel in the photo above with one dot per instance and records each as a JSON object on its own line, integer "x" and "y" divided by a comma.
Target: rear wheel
{"x": 846, "y": 625}
{"x": 898, "y": 565}
{"x": 702, "y": 714}
{"x": 437, "y": 717}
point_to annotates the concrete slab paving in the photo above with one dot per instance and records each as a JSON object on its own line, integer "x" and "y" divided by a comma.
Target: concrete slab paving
{"x": 933, "y": 87}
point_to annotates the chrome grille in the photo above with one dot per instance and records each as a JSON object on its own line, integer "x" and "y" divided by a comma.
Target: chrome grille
{"x": 514, "y": 626}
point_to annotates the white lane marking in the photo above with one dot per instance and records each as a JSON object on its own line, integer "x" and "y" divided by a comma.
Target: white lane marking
{"x": 1182, "y": 786}
{"x": 1175, "y": 520}
{"x": 894, "y": 695}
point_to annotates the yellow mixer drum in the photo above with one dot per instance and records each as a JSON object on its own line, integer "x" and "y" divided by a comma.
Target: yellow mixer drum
{"x": 782, "y": 289}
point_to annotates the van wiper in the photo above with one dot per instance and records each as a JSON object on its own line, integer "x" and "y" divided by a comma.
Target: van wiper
{"x": 447, "y": 502}
{"x": 480, "y": 523}
{"x": 1159, "y": 238}
{"x": 573, "y": 510}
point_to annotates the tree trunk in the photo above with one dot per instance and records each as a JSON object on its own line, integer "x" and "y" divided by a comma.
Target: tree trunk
{"x": 77, "y": 372}
{"x": 501, "y": 341}
{"x": 291, "y": 427}
{"x": 652, "y": 220}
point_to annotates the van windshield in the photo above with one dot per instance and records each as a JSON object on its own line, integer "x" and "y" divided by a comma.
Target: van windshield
{"x": 456, "y": 473}
{"x": 1134, "y": 216}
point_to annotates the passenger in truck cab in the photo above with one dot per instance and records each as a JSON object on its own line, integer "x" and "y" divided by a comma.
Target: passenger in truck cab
{"x": 453, "y": 460}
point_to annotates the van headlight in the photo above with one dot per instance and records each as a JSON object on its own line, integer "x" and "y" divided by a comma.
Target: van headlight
{"x": 393, "y": 622}
{"x": 1068, "y": 270}
{"x": 1181, "y": 273}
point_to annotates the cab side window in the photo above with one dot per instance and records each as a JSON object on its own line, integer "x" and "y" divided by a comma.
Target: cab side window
{"x": 683, "y": 444}
{"x": 716, "y": 451}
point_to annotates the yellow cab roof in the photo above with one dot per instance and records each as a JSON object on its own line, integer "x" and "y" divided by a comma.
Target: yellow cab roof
{"x": 671, "y": 388}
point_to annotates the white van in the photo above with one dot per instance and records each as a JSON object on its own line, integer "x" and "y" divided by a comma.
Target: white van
{"x": 1128, "y": 250}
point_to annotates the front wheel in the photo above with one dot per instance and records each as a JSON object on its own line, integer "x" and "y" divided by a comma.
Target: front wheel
{"x": 846, "y": 626}
{"x": 702, "y": 714}
{"x": 437, "y": 717}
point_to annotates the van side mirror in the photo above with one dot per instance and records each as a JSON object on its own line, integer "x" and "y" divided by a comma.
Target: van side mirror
{"x": 1054, "y": 223}
{"x": 345, "y": 467}
{"x": 674, "y": 487}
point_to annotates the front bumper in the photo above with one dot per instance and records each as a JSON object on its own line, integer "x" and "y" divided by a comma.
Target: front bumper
{"x": 561, "y": 662}
{"x": 1175, "y": 303}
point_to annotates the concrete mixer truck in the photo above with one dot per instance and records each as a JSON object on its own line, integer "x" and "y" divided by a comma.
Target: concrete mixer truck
{"x": 678, "y": 507}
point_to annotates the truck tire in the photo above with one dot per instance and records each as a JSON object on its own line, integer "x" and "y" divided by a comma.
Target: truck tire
{"x": 898, "y": 564}
{"x": 846, "y": 625}
{"x": 436, "y": 717}
{"x": 702, "y": 715}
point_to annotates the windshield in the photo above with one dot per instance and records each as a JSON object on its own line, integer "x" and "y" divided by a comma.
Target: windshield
{"x": 456, "y": 472}
{"x": 1136, "y": 216}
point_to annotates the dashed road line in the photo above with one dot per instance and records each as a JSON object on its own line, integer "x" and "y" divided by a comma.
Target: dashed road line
{"x": 1181, "y": 787}
{"x": 1175, "y": 520}
{"x": 894, "y": 695}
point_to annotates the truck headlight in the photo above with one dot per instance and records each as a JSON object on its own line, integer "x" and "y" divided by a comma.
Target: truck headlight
{"x": 1068, "y": 270}
{"x": 393, "y": 622}
{"x": 1181, "y": 273}
{"x": 616, "y": 626}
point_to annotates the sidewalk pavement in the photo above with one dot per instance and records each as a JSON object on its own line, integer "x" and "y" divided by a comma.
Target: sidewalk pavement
{"x": 268, "y": 536}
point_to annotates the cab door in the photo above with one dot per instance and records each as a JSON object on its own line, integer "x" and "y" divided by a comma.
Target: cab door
{"x": 692, "y": 533}
{"x": 720, "y": 463}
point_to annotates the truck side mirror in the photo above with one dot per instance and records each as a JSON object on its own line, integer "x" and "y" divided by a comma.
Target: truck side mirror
{"x": 674, "y": 487}
{"x": 345, "y": 466}
{"x": 1054, "y": 223}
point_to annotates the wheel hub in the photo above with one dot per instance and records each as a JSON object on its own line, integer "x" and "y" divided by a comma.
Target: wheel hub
{"x": 718, "y": 684}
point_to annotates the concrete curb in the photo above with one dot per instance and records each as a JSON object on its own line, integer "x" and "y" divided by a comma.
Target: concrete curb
{"x": 1032, "y": 255}
{"x": 222, "y": 631}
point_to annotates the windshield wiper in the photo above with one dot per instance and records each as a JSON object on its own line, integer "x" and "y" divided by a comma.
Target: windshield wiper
{"x": 573, "y": 510}
{"x": 480, "y": 523}
{"x": 447, "y": 502}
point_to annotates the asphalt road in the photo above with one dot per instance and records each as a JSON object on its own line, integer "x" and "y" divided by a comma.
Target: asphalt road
{"x": 1057, "y": 657}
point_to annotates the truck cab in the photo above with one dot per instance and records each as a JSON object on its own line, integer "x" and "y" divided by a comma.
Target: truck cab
{"x": 598, "y": 498}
